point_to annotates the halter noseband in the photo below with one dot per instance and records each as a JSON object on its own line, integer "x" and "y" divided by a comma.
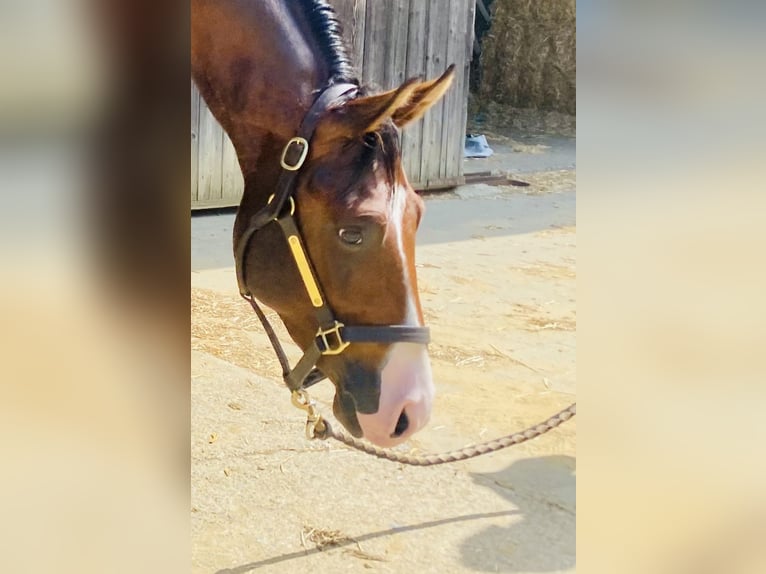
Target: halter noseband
{"x": 333, "y": 337}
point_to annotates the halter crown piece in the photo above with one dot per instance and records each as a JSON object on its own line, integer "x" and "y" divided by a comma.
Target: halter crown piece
{"x": 332, "y": 337}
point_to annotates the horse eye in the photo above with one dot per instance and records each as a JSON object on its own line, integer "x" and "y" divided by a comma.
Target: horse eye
{"x": 371, "y": 139}
{"x": 351, "y": 235}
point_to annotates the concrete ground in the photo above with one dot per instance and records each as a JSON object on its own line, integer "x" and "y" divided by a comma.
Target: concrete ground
{"x": 496, "y": 271}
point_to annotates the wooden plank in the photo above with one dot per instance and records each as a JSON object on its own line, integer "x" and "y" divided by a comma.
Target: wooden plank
{"x": 397, "y": 34}
{"x": 470, "y": 18}
{"x": 376, "y": 49}
{"x": 412, "y": 136}
{"x": 212, "y": 204}
{"x": 210, "y": 156}
{"x": 358, "y": 34}
{"x": 345, "y": 11}
{"x": 397, "y": 25}
{"x": 441, "y": 184}
{"x": 400, "y": 24}
{"x": 456, "y": 108}
{"x": 451, "y": 129}
{"x": 195, "y": 103}
{"x": 490, "y": 178}
{"x": 436, "y": 52}
{"x": 386, "y": 65}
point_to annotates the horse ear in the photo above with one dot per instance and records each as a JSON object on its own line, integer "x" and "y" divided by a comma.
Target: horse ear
{"x": 368, "y": 114}
{"x": 403, "y": 105}
{"x": 424, "y": 96}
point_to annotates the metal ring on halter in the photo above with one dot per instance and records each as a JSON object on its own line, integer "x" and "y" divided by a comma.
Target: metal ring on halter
{"x": 292, "y": 204}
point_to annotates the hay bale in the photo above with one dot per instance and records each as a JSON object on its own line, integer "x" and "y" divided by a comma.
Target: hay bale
{"x": 528, "y": 56}
{"x": 495, "y": 119}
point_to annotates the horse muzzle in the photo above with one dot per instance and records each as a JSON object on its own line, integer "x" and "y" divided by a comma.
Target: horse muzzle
{"x": 405, "y": 400}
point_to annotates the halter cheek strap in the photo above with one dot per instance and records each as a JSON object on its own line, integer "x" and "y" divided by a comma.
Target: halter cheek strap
{"x": 332, "y": 337}
{"x": 294, "y": 154}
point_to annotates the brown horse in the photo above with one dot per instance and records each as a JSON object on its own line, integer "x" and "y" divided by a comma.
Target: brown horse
{"x": 261, "y": 65}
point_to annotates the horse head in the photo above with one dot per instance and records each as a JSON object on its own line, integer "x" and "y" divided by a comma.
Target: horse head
{"x": 358, "y": 216}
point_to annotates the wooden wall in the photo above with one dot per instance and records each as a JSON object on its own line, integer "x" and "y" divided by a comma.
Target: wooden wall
{"x": 389, "y": 41}
{"x": 216, "y": 180}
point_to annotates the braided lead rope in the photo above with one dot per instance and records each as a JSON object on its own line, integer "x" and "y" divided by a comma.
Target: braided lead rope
{"x": 321, "y": 429}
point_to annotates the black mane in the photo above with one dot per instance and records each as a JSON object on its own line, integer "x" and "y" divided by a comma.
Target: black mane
{"x": 329, "y": 34}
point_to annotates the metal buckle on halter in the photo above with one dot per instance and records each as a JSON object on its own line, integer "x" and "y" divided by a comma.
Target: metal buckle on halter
{"x": 304, "y": 152}
{"x": 330, "y": 341}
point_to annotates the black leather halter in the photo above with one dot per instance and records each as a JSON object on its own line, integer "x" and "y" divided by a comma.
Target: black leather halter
{"x": 333, "y": 337}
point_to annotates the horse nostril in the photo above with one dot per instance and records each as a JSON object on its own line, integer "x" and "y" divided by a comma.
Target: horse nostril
{"x": 401, "y": 425}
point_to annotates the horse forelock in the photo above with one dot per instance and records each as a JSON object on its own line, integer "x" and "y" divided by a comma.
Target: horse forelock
{"x": 363, "y": 168}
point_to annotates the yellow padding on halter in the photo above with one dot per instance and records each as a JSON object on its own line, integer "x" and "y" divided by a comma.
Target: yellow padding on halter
{"x": 303, "y": 268}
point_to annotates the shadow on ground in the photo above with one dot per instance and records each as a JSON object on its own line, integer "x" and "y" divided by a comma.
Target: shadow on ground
{"x": 243, "y": 569}
{"x": 543, "y": 489}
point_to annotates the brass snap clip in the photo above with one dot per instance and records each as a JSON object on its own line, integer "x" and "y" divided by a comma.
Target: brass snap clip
{"x": 315, "y": 426}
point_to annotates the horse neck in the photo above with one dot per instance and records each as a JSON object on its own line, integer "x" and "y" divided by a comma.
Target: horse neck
{"x": 258, "y": 66}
